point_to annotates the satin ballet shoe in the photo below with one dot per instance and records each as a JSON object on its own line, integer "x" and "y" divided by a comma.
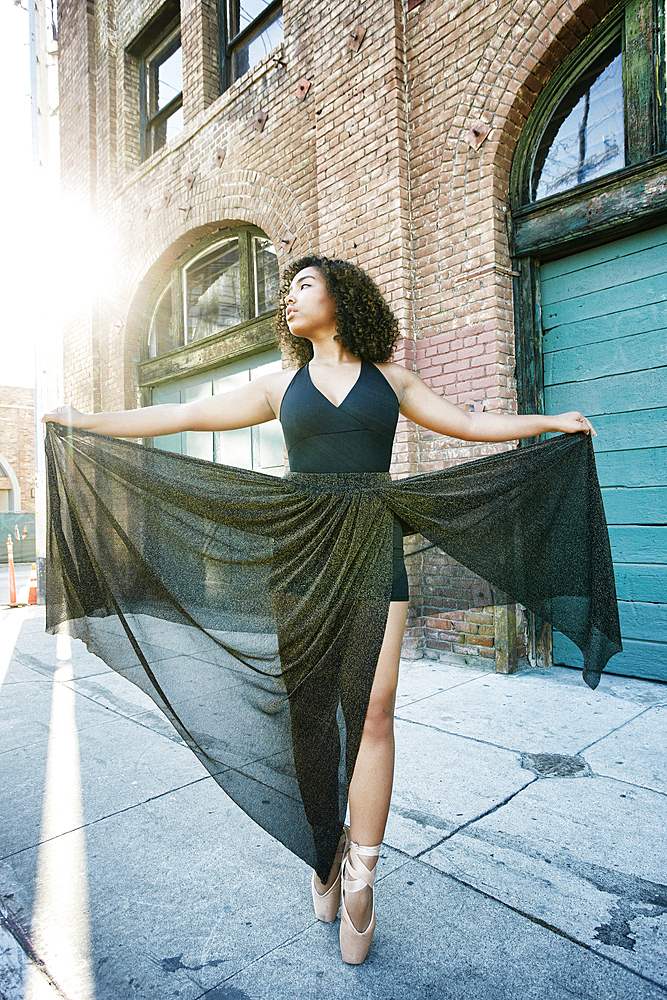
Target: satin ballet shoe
{"x": 355, "y": 876}
{"x": 327, "y": 903}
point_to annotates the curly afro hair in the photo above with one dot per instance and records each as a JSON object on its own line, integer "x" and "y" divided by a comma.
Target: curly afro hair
{"x": 366, "y": 325}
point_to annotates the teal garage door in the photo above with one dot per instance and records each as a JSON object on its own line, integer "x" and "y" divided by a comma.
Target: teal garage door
{"x": 604, "y": 319}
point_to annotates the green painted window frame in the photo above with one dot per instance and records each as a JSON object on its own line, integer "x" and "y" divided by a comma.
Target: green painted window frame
{"x": 641, "y": 24}
{"x": 152, "y": 118}
{"x": 144, "y": 48}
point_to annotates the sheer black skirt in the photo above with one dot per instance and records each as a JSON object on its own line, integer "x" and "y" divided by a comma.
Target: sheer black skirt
{"x": 252, "y": 609}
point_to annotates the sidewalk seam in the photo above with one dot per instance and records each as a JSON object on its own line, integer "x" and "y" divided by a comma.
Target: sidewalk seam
{"x": 549, "y": 927}
{"x": 102, "y": 819}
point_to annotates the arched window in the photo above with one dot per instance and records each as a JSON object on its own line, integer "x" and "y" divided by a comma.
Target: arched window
{"x": 585, "y": 136}
{"x": 227, "y": 282}
{"x": 210, "y": 330}
{"x": 603, "y": 110}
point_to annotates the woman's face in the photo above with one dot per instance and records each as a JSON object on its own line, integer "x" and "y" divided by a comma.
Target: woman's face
{"x": 309, "y": 309}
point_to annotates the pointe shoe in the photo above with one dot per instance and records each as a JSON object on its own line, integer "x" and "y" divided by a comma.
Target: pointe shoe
{"x": 327, "y": 903}
{"x": 355, "y": 876}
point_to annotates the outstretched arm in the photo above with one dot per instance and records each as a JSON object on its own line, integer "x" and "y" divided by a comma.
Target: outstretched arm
{"x": 251, "y": 404}
{"x": 427, "y": 408}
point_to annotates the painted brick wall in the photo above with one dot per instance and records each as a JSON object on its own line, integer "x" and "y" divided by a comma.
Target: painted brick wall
{"x": 375, "y": 164}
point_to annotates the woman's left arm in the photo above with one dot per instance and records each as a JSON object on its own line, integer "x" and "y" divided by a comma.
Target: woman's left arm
{"x": 428, "y": 409}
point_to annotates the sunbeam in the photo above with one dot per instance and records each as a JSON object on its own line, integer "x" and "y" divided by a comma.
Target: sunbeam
{"x": 60, "y": 929}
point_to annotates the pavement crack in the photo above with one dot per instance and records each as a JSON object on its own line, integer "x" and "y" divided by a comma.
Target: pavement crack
{"x": 618, "y": 728}
{"x": 475, "y": 819}
{"x": 461, "y": 736}
{"x": 110, "y": 815}
{"x": 451, "y": 687}
{"x": 554, "y": 930}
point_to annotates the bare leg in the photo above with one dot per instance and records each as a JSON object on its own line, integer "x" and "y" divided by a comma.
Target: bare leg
{"x": 370, "y": 788}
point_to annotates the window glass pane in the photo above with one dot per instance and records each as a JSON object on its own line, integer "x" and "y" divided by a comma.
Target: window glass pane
{"x": 166, "y": 129}
{"x": 168, "y": 75}
{"x": 268, "y": 447}
{"x": 167, "y": 442}
{"x": 585, "y": 137}
{"x": 213, "y": 292}
{"x": 174, "y": 124}
{"x": 233, "y": 447}
{"x": 250, "y": 53}
{"x": 269, "y": 453}
{"x": 261, "y": 447}
{"x": 163, "y": 335}
{"x": 267, "y": 275}
{"x": 199, "y": 444}
{"x": 243, "y": 12}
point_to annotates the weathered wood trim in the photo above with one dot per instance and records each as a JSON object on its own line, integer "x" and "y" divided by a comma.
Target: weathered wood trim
{"x": 250, "y": 338}
{"x": 628, "y": 201}
{"x": 505, "y": 639}
{"x": 540, "y": 646}
{"x": 550, "y": 97}
{"x": 529, "y": 368}
{"x": 661, "y": 75}
{"x": 639, "y": 81}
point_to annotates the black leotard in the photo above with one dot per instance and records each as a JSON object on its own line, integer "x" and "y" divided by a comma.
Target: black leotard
{"x": 356, "y": 436}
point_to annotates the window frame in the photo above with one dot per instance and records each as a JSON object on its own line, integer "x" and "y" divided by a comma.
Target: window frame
{"x": 616, "y": 204}
{"x": 229, "y": 45}
{"x": 254, "y": 333}
{"x": 150, "y": 120}
{"x": 634, "y": 91}
{"x": 250, "y": 362}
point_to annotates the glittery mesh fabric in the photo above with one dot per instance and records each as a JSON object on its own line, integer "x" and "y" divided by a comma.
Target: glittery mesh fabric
{"x": 252, "y": 609}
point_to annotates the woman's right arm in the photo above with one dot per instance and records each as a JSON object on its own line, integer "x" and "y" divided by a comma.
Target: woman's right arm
{"x": 254, "y": 403}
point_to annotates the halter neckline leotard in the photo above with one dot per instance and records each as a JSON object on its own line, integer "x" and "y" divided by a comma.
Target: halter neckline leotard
{"x": 355, "y": 436}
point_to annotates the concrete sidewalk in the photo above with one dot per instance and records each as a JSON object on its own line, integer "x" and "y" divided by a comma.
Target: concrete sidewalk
{"x": 525, "y": 856}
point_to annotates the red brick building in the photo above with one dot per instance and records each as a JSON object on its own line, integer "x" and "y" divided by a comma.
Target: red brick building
{"x": 460, "y": 152}
{"x": 17, "y": 449}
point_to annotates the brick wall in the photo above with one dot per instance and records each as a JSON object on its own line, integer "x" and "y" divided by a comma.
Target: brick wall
{"x": 469, "y": 63}
{"x": 377, "y": 164}
{"x": 17, "y": 439}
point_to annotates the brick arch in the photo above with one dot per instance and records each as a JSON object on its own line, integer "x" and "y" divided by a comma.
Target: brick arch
{"x": 565, "y": 32}
{"x": 239, "y": 197}
{"x": 242, "y": 196}
{"x": 517, "y": 67}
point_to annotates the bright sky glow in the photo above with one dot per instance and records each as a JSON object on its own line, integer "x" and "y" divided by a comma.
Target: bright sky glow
{"x": 20, "y": 221}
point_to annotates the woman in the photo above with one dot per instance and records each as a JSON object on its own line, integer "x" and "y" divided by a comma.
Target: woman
{"x": 339, "y": 412}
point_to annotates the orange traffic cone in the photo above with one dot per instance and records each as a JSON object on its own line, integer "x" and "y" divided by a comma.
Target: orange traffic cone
{"x": 10, "y": 566}
{"x": 32, "y": 591}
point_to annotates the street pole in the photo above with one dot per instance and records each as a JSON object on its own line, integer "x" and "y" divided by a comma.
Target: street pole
{"x": 48, "y": 360}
